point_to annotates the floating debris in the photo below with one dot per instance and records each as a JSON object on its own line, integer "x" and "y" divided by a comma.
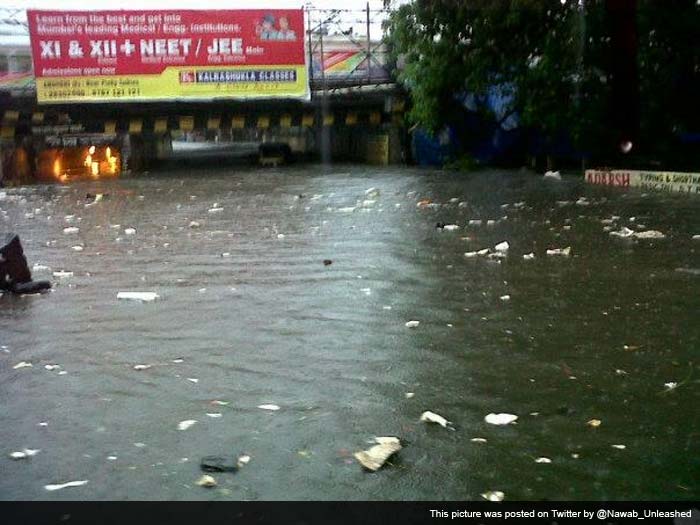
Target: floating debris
{"x": 52, "y": 367}
{"x": 219, "y": 403}
{"x": 543, "y": 460}
{"x": 218, "y": 464}
{"x": 450, "y": 227}
{"x": 206, "y": 481}
{"x": 505, "y": 298}
{"x": 493, "y": 495}
{"x": 61, "y": 274}
{"x": 214, "y": 415}
{"x": 412, "y": 324}
{"x": 619, "y": 447}
{"x": 194, "y": 224}
{"x": 215, "y": 210}
{"x": 142, "y": 367}
{"x": 24, "y": 453}
{"x": 594, "y": 423}
{"x": 432, "y": 417}
{"x": 671, "y": 385}
{"x": 529, "y": 256}
{"x": 145, "y": 297}
{"x": 409, "y": 395}
{"x": 77, "y": 248}
{"x": 269, "y": 407}
{"x": 626, "y": 233}
{"x": 500, "y": 419}
{"x": 130, "y": 231}
{"x": 60, "y": 486}
{"x": 478, "y": 440}
{"x": 71, "y": 230}
{"x": 184, "y": 425}
{"x": 564, "y": 252}
{"x": 243, "y": 460}
{"x": 22, "y": 364}
{"x": 327, "y": 262}
{"x": 193, "y": 380}
{"x": 502, "y": 247}
{"x": 374, "y": 458}
{"x": 650, "y": 234}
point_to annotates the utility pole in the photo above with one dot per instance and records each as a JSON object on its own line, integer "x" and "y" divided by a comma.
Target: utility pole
{"x": 369, "y": 49}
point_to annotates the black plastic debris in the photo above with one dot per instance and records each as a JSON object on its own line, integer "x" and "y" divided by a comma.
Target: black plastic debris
{"x": 15, "y": 275}
{"x": 218, "y": 464}
{"x": 327, "y": 262}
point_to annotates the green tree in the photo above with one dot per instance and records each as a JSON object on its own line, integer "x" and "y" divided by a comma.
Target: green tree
{"x": 547, "y": 53}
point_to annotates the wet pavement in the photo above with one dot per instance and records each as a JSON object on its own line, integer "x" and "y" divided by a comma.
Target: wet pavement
{"x": 250, "y": 315}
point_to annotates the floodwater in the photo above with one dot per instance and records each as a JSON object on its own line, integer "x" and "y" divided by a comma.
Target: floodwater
{"x": 609, "y": 333}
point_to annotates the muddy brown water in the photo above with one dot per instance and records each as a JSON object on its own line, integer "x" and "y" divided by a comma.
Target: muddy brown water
{"x": 597, "y": 335}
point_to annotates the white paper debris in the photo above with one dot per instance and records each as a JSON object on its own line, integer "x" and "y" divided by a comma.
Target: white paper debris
{"x": 409, "y": 395}
{"x": 543, "y": 460}
{"x": 243, "y": 460}
{"x": 529, "y": 256}
{"x": 565, "y": 252}
{"x": 52, "y": 367}
{"x": 130, "y": 231}
{"x": 269, "y": 407}
{"x": 206, "y": 481}
{"x": 493, "y": 495}
{"x": 502, "y": 247}
{"x": 215, "y": 210}
{"x": 22, "y": 364}
{"x": 650, "y": 234}
{"x": 138, "y": 296}
{"x": 61, "y": 274}
{"x": 478, "y": 440}
{"x": 24, "y": 453}
{"x": 671, "y": 385}
{"x": 412, "y": 324}
{"x": 552, "y": 175}
{"x": 432, "y": 417}
{"x": 184, "y": 425}
{"x": 66, "y": 485}
{"x": 70, "y": 230}
{"x": 619, "y": 447}
{"x": 374, "y": 458}
{"x": 142, "y": 367}
{"x": 77, "y": 248}
{"x": 500, "y": 419}
{"x": 193, "y": 380}
{"x": 505, "y": 298}
{"x": 214, "y": 414}
{"x": 450, "y": 227}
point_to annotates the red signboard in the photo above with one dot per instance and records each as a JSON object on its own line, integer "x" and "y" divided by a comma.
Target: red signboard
{"x": 142, "y": 55}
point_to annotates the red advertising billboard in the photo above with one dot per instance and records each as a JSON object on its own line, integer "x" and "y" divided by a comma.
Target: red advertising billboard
{"x": 165, "y": 55}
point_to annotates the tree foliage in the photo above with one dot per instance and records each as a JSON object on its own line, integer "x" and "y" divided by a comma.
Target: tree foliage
{"x": 555, "y": 58}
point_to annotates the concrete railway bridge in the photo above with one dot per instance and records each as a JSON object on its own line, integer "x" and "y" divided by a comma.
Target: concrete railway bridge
{"x": 354, "y": 114}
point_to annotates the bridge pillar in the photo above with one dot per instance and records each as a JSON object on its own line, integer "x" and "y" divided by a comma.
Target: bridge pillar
{"x": 139, "y": 152}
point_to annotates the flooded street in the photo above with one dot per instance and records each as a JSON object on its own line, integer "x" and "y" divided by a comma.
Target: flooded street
{"x": 250, "y": 315}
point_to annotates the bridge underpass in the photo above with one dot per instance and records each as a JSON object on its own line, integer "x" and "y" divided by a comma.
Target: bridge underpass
{"x": 355, "y": 114}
